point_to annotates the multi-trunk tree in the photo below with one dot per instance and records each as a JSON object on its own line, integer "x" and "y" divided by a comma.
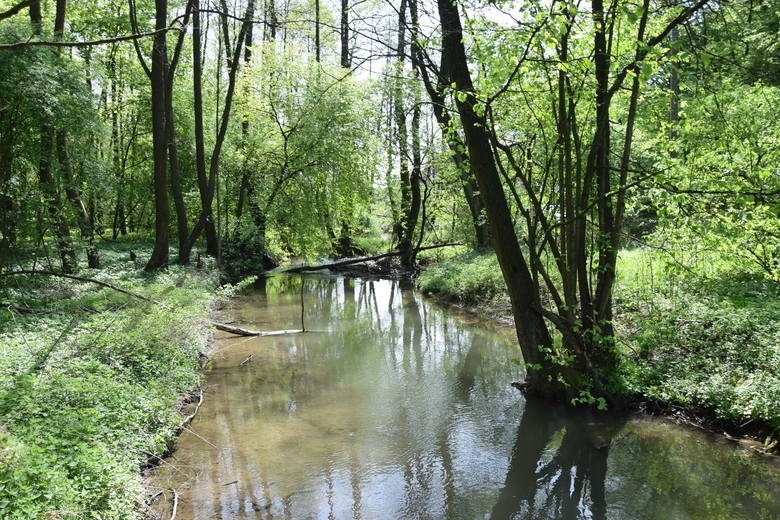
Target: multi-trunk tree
{"x": 559, "y": 170}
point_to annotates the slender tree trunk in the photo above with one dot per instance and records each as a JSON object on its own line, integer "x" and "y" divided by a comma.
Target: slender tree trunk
{"x": 317, "y": 42}
{"x": 53, "y": 202}
{"x": 399, "y": 114}
{"x": 453, "y": 141}
{"x": 208, "y": 184}
{"x": 206, "y": 196}
{"x": 159, "y": 256}
{"x": 46, "y": 178}
{"x": 74, "y": 196}
{"x": 177, "y": 193}
{"x": 346, "y": 60}
{"x": 530, "y": 326}
{"x": 246, "y": 173}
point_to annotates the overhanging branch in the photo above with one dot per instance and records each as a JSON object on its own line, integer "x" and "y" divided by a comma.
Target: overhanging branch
{"x": 88, "y": 43}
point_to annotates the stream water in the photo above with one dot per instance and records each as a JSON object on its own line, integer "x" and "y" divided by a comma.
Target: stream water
{"x": 393, "y": 407}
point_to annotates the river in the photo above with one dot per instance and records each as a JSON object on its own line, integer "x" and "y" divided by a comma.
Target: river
{"x": 393, "y": 407}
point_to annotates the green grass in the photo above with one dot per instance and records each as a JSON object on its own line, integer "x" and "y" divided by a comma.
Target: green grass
{"x": 707, "y": 341}
{"x": 90, "y": 388}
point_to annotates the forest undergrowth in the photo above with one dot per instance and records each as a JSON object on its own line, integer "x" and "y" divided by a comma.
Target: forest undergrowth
{"x": 92, "y": 382}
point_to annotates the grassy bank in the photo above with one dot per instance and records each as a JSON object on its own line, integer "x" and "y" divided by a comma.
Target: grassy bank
{"x": 91, "y": 382}
{"x": 709, "y": 343}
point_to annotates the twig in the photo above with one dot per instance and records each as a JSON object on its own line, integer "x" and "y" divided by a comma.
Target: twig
{"x": 191, "y": 416}
{"x": 247, "y": 360}
{"x": 175, "y": 503}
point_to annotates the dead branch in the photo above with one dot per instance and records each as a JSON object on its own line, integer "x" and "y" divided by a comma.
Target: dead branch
{"x": 248, "y": 332}
{"x": 358, "y": 260}
{"x": 175, "y": 504}
{"x": 39, "y": 43}
{"x": 191, "y": 416}
{"x": 220, "y": 326}
{"x": 83, "y": 279}
{"x": 247, "y": 360}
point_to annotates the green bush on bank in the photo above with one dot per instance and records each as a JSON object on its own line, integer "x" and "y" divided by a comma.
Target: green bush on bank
{"x": 89, "y": 391}
{"x": 471, "y": 279}
{"x": 707, "y": 344}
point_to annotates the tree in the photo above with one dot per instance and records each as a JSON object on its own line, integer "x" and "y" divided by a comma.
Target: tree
{"x": 573, "y": 208}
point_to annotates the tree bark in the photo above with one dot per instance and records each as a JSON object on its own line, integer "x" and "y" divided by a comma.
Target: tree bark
{"x": 531, "y": 329}
{"x": 46, "y": 178}
{"x": 160, "y": 253}
{"x": 346, "y": 60}
{"x": 453, "y": 141}
{"x": 74, "y": 196}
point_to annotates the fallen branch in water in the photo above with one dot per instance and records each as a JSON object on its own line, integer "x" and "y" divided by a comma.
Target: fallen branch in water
{"x": 191, "y": 416}
{"x": 358, "y": 260}
{"x": 175, "y": 504}
{"x": 238, "y": 331}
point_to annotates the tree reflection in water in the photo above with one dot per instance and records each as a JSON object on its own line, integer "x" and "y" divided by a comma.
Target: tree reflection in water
{"x": 559, "y": 464}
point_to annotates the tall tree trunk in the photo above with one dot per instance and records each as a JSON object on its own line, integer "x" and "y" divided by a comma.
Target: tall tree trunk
{"x": 246, "y": 173}
{"x": 207, "y": 184}
{"x": 399, "y": 114}
{"x": 71, "y": 190}
{"x": 346, "y": 60}
{"x": 270, "y": 21}
{"x": 453, "y": 141}
{"x": 53, "y": 202}
{"x": 530, "y": 326}
{"x": 46, "y": 179}
{"x": 206, "y": 196}
{"x": 317, "y": 42}
{"x": 74, "y": 196}
{"x": 159, "y": 256}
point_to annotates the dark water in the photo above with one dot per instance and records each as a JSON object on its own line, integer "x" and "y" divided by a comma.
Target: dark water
{"x": 396, "y": 408}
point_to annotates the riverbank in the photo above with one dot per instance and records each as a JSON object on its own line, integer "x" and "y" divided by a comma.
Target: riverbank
{"x": 703, "y": 350}
{"x": 92, "y": 382}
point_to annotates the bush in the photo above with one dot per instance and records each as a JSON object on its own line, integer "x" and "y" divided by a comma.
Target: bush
{"x": 471, "y": 278}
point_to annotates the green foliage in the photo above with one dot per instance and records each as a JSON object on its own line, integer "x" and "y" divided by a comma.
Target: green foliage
{"x": 90, "y": 392}
{"x": 310, "y": 152}
{"x": 471, "y": 278}
{"x": 717, "y": 350}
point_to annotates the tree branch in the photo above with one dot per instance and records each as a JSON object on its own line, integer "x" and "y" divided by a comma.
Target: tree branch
{"x": 88, "y": 43}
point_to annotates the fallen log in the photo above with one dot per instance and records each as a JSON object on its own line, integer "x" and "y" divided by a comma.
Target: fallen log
{"x": 238, "y": 331}
{"x": 351, "y": 261}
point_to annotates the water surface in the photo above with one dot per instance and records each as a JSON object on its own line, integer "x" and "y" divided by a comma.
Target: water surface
{"x": 393, "y": 407}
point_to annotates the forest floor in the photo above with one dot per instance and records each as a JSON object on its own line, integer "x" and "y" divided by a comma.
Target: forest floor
{"x": 92, "y": 383}
{"x": 703, "y": 349}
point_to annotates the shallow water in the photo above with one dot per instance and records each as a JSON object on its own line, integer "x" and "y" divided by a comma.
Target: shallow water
{"x": 393, "y": 407}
